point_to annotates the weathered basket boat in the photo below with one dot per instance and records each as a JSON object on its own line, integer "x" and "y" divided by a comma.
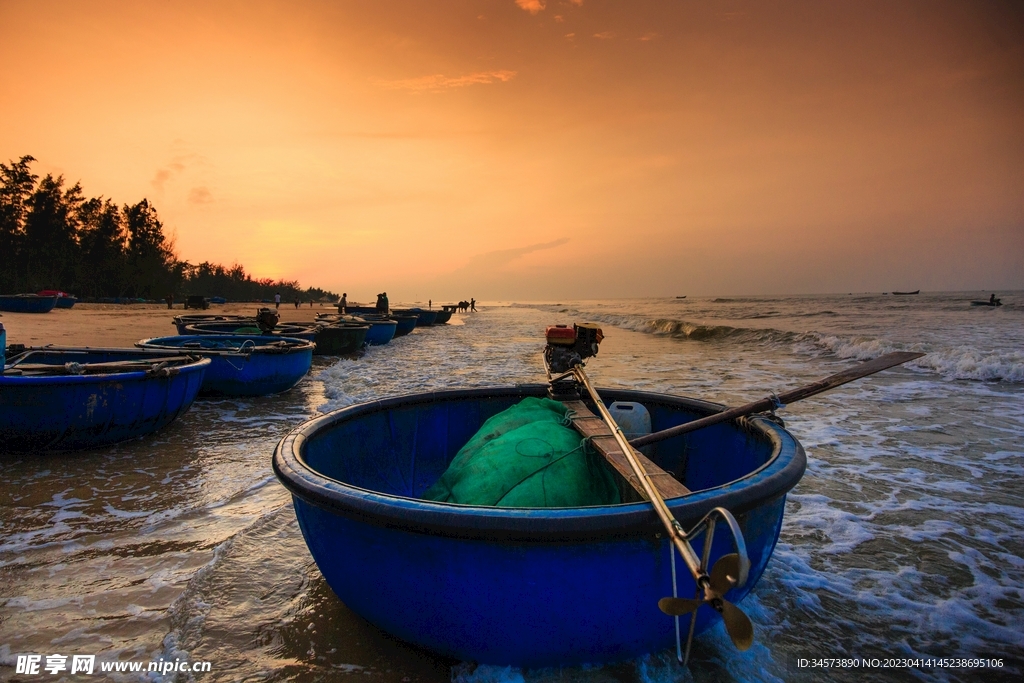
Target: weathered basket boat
{"x": 517, "y": 586}
{"x": 182, "y": 321}
{"x": 70, "y": 398}
{"x": 340, "y": 339}
{"x": 443, "y": 316}
{"x": 307, "y": 333}
{"x": 243, "y": 365}
{"x": 27, "y": 303}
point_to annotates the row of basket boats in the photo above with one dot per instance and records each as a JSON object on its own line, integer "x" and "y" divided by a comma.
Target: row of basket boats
{"x": 65, "y": 398}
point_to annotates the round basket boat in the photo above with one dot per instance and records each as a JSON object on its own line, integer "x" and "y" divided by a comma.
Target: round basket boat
{"x": 64, "y": 399}
{"x": 243, "y": 365}
{"x": 519, "y": 586}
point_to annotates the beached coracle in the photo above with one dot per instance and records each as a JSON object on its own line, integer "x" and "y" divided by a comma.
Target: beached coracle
{"x": 180, "y": 322}
{"x": 27, "y": 303}
{"x": 515, "y": 586}
{"x": 340, "y": 339}
{"x": 240, "y": 327}
{"x": 56, "y": 398}
{"x": 243, "y": 365}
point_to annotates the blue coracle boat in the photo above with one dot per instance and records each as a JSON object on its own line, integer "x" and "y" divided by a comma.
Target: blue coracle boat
{"x": 243, "y": 365}
{"x": 382, "y": 330}
{"x": 27, "y": 303}
{"x": 514, "y": 586}
{"x": 63, "y": 398}
{"x": 306, "y": 332}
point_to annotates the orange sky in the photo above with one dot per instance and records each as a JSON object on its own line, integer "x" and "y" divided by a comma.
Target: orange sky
{"x": 522, "y": 149}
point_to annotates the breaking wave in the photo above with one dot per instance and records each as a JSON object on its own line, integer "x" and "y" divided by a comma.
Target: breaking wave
{"x": 962, "y": 362}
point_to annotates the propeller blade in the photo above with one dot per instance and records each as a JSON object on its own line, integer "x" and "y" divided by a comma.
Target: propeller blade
{"x": 675, "y": 607}
{"x": 725, "y": 573}
{"x": 738, "y": 625}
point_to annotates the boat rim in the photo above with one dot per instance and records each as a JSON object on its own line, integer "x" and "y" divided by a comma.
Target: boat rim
{"x": 772, "y": 480}
{"x": 194, "y": 365}
{"x": 295, "y": 344}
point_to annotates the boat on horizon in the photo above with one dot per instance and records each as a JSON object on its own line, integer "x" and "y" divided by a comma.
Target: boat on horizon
{"x": 916, "y": 291}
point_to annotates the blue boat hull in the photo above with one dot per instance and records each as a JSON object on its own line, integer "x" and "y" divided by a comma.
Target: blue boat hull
{"x": 65, "y": 302}
{"x": 27, "y": 303}
{"x": 405, "y": 324}
{"x": 257, "y": 373}
{"x": 426, "y": 318}
{"x": 87, "y": 411}
{"x": 507, "y": 586}
{"x": 381, "y": 332}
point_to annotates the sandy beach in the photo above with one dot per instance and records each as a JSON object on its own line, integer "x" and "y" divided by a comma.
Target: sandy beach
{"x": 123, "y": 325}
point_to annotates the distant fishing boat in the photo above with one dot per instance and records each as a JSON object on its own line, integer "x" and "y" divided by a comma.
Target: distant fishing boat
{"x": 243, "y": 365}
{"x": 916, "y": 291}
{"x": 54, "y": 398}
{"x": 996, "y": 302}
{"x": 681, "y": 297}
{"x": 27, "y": 303}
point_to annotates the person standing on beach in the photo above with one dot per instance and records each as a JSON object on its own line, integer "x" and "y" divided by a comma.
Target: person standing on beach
{"x": 472, "y": 305}
{"x": 384, "y": 303}
{"x": 343, "y": 304}
{"x": 277, "y": 300}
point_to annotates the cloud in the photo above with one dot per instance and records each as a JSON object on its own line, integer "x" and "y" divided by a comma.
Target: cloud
{"x": 200, "y": 195}
{"x": 438, "y": 82}
{"x": 650, "y": 35}
{"x": 605, "y": 35}
{"x": 166, "y": 173}
{"x": 578, "y": 3}
{"x": 532, "y": 6}
{"x": 491, "y": 261}
{"x": 175, "y": 167}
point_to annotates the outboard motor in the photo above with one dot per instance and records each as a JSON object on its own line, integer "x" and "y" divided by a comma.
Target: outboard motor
{"x": 568, "y": 347}
{"x": 266, "y": 320}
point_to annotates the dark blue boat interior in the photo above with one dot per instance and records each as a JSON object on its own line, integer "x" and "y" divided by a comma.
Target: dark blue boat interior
{"x": 403, "y": 450}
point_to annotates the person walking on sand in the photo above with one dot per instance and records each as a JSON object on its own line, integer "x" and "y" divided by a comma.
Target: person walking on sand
{"x": 472, "y": 305}
{"x": 277, "y": 300}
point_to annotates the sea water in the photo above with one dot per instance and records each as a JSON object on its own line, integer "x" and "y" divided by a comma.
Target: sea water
{"x": 904, "y": 539}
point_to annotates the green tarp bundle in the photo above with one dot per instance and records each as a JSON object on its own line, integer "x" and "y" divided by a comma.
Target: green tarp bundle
{"x": 527, "y": 456}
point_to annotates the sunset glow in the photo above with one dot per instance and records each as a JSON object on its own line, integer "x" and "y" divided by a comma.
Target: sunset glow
{"x": 520, "y": 149}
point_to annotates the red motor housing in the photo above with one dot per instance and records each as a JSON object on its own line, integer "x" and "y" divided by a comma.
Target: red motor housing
{"x": 560, "y": 335}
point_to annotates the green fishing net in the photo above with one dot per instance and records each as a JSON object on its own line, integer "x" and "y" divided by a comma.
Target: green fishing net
{"x": 527, "y": 456}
